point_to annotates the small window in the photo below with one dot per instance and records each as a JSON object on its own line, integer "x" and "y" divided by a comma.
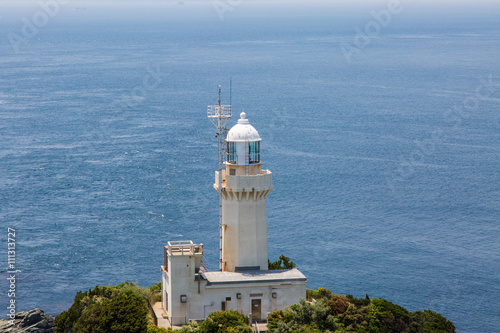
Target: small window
{"x": 232, "y": 172}
{"x": 223, "y": 306}
{"x": 228, "y": 299}
{"x": 184, "y": 299}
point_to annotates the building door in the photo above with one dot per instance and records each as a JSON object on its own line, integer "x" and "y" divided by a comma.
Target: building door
{"x": 256, "y": 309}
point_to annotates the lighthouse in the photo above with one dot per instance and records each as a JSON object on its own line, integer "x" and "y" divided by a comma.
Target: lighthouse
{"x": 244, "y": 190}
{"x": 243, "y": 281}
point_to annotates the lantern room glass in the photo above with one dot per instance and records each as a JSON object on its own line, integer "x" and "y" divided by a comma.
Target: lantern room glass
{"x": 254, "y": 152}
{"x": 231, "y": 152}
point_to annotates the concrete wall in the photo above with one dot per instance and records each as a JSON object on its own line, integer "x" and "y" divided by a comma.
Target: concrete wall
{"x": 286, "y": 295}
{"x": 211, "y": 297}
{"x": 178, "y": 279}
{"x": 202, "y": 299}
{"x": 245, "y": 236}
{"x": 244, "y": 215}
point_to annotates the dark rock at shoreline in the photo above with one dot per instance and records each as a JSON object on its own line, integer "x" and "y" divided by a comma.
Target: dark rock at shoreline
{"x": 33, "y": 321}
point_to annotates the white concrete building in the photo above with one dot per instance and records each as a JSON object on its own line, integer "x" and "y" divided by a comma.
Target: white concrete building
{"x": 243, "y": 283}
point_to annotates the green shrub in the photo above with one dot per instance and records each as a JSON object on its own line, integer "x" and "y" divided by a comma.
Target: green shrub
{"x": 388, "y": 317}
{"x": 428, "y": 321}
{"x": 321, "y": 293}
{"x": 222, "y": 321}
{"x": 278, "y": 316}
{"x": 121, "y": 308}
{"x": 156, "y": 329}
{"x": 359, "y": 301}
{"x": 337, "y": 304}
{"x": 282, "y": 263}
{"x": 305, "y": 315}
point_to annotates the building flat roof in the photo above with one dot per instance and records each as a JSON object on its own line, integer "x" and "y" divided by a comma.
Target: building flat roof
{"x": 274, "y": 276}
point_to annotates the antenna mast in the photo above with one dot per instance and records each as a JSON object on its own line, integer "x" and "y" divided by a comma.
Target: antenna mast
{"x": 220, "y": 115}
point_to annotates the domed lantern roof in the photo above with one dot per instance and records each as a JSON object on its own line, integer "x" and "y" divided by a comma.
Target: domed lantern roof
{"x": 243, "y": 143}
{"x": 243, "y": 131}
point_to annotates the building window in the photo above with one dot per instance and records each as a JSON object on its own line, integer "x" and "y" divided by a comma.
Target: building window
{"x": 223, "y": 306}
{"x": 228, "y": 299}
{"x": 231, "y": 152}
{"x": 254, "y": 152}
{"x": 184, "y": 299}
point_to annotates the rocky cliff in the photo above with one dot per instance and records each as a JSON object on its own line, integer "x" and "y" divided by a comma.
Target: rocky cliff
{"x": 33, "y": 321}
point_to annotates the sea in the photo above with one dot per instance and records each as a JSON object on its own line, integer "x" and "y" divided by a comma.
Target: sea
{"x": 381, "y": 129}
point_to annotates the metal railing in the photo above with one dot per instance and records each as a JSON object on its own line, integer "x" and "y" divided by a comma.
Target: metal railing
{"x": 256, "y": 326}
{"x": 217, "y": 112}
{"x": 151, "y": 302}
{"x": 184, "y": 248}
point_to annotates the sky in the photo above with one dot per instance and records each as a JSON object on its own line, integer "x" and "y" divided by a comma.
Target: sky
{"x": 13, "y": 13}
{"x": 247, "y": 7}
{"x": 142, "y": 3}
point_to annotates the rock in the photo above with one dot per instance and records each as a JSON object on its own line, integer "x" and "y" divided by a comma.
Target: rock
{"x": 32, "y": 318}
{"x": 33, "y": 321}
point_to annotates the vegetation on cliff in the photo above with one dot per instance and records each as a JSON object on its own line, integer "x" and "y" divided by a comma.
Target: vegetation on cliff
{"x": 121, "y": 308}
{"x": 124, "y": 308}
{"x": 328, "y": 312}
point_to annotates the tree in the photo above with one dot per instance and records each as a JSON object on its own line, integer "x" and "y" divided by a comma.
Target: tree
{"x": 388, "y": 317}
{"x": 337, "y": 304}
{"x": 328, "y": 312}
{"x": 303, "y": 317}
{"x": 120, "y": 308}
{"x": 282, "y": 263}
{"x": 428, "y": 321}
{"x": 220, "y": 322}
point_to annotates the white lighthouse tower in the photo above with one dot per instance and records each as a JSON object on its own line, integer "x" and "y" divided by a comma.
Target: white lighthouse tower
{"x": 244, "y": 190}
{"x": 243, "y": 281}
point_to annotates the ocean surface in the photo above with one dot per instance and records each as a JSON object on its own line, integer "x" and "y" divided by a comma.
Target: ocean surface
{"x": 386, "y": 163}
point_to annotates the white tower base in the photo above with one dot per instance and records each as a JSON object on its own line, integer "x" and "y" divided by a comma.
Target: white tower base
{"x": 244, "y": 218}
